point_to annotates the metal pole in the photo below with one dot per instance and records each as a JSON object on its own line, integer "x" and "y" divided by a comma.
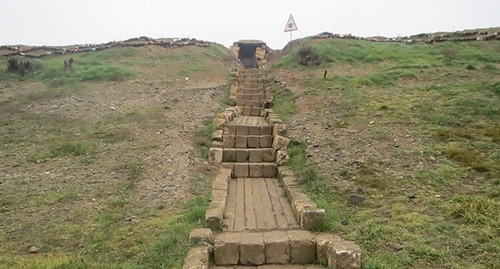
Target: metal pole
{"x": 291, "y": 41}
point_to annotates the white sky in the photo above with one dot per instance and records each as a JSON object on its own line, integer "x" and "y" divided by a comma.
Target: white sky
{"x": 64, "y": 22}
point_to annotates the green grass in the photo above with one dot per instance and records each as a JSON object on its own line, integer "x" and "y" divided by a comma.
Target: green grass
{"x": 443, "y": 97}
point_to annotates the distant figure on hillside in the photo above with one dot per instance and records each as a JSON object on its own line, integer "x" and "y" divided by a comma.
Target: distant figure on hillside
{"x": 68, "y": 64}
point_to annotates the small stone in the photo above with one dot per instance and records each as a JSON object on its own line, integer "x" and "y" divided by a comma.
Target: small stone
{"x": 438, "y": 196}
{"x": 398, "y": 247}
{"x": 372, "y": 122}
{"x": 112, "y": 108}
{"x": 355, "y": 199}
{"x": 360, "y": 190}
{"x": 33, "y": 249}
{"x": 412, "y": 195}
{"x": 345, "y": 222}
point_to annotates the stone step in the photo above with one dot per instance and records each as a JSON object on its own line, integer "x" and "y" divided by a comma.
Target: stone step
{"x": 252, "y": 111}
{"x": 273, "y": 266}
{"x": 253, "y": 170}
{"x": 251, "y": 91}
{"x": 259, "y": 248}
{"x": 251, "y": 97}
{"x": 258, "y": 155}
{"x": 247, "y": 141}
{"x": 253, "y": 85}
{"x": 241, "y": 127}
{"x": 250, "y": 103}
{"x": 255, "y": 79}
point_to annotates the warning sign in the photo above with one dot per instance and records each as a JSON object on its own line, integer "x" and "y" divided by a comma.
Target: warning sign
{"x": 290, "y": 25}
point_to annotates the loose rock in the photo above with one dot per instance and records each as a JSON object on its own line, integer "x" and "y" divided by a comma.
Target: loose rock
{"x": 33, "y": 250}
{"x": 355, "y": 199}
{"x": 398, "y": 247}
{"x": 412, "y": 195}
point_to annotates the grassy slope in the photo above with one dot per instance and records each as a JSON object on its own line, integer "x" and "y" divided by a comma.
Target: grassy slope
{"x": 83, "y": 236}
{"x": 446, "y": 94}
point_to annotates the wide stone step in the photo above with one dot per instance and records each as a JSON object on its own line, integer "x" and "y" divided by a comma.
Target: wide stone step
{"x": 252, "y": 170}
{"x": 250, "y": 103}
{"x": 257, "y": 204}
{"x": 259, "y": 248}
{"x": 257, "y": 155}
{"x": 251, "y": 97}
{"x": 272, "y": 266}
{"x": 251, "y": 91}
{"x": 252, "y": 111}
{"x": 247, "y": 141}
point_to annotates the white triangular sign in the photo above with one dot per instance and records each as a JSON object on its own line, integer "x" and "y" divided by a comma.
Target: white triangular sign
{"x": 290, "y": 25}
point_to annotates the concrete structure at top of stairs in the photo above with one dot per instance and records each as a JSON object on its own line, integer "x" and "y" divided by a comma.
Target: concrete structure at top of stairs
{"x": 252, "y": 53}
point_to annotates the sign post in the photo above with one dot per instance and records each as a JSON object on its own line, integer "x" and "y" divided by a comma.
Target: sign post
{"x": 290, "y": 27}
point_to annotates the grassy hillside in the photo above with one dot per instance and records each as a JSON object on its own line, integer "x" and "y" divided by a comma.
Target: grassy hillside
{"x": 415, "y": 130}
{"x": 102, "y": 166}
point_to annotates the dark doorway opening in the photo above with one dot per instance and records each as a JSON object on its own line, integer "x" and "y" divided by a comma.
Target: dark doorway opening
{"x": 247, "y": 55}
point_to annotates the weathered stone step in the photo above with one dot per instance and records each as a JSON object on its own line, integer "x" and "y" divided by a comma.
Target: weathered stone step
{"x": 251, "y": 97}
{"x": 257, "y": 204}
{"x": 250, "y": 103}
{"x": 259, "y": 248}
{"x": 251, "y": 91}
{"x": 257, "y": 155}
{"x": 253, "y": 170}
{"x": 253, "y": 85}
{"x": 247, "y": 141}
{"x": 272, "y": 266}
{"x": 243, "y": 128}
{"x": 249, "y": 121}
{"x": 252, "y": 111}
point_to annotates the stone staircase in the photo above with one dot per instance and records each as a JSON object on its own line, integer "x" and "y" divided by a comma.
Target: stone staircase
{"x": 258, "y": 212}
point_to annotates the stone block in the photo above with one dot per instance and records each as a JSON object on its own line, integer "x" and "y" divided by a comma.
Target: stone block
{"x": 284, "y": 171}
{"x": 269, "y": 170}
{"x": 215, "y": 155}
{"x": 230, "y": 130}
{"x": 233, "y": 90}
{"x": 255, "y": 170}
{"x": 213, "y": 218}
{"x": 323, "y": 240}
{"x": 344, "y": 255}
{"x": 255, "y": 156}
{"x": 241, "y": 130}
{"x": 247, "y": 111}
{"x": 311, "y": 217}
{"x": 256, "y": 111}
{"x": 281, "y": 156}
{"x": 217, "y": 144}
{"x": 253, "y": 141}
{"x": 253, "y": 130}
{"x": 252, "y": 249}
{"x": 241, "y": 141}
{"x": 219, "y": 123}
{"x": 277, "y": 246}
{"x": 229, "y": 141}
{"x": 280, "y": 143}
{"x": 268, "y": 155}
{"x": 242, "y": 155}
{"x": 266, "y": 141}
{"x": 289, "y": 181}
{"x": 279, "y": 129}
{"x": 218, "y": 199}
{"x": 229, "y": 155}
{"x": 241, "y": 170}
{"x": 266, "y": 130}
{"x": 302, "y": 247}
{"x": 197, "y": 258}
{"x": 201, "y": 235}
{"x": 227, "y": 249}
{"x": 221, "y": 181}
{"x": 217, "y": 135}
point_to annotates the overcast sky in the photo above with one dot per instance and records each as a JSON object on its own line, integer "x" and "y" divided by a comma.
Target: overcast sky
{"x": 64, "y": 22}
